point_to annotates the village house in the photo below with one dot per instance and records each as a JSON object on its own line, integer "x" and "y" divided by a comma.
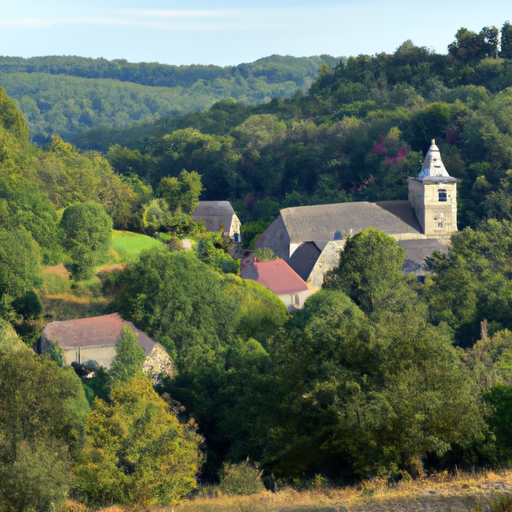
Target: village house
{"x": 91, "y": 342}
{"x": 280, "y": 279}
{"x": 219, "y": 217}
{"x": 310, "y": 238}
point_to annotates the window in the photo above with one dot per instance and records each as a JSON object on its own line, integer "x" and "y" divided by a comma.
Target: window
{"x": 296, "y": 300}
{"x": 442, "y": 195}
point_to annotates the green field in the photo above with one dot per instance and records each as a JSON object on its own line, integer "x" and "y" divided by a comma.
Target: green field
{"x": 126, "y": 246}
{"x": 64, "y": 299}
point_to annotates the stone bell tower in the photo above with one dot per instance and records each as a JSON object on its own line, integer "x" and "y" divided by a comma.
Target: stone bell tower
{"x": 433, "y": 196}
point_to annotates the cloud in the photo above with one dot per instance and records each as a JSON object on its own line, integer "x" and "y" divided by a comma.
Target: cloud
{"x": 175, "y": 21}
{"x": 184, "y": 20}
{"x": 167, "y": 13}
{"x": 35, "y": 23}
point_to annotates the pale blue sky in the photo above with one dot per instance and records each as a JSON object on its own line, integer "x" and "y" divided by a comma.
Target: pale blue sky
{"x": 226, "y": 32}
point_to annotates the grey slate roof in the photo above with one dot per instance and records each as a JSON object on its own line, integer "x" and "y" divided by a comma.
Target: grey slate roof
{"x": 213, "y": 213}
{"x": 329, "y": 221}
{"x": 304, "y": 258}
{"x": 417, "y": 250}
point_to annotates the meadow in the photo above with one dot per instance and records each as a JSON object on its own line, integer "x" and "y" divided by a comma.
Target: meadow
{"x": 442, "y": 492}
{"x": 64, "y": 299}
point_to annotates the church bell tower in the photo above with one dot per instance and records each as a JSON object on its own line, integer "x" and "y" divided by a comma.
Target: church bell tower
{"x": 433, "y": 196}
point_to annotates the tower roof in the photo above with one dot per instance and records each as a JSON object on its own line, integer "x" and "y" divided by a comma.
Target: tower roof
{"x": 433, "y": 166}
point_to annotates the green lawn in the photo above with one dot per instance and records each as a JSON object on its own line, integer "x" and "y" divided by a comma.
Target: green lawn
{"x": 126, "y": 246}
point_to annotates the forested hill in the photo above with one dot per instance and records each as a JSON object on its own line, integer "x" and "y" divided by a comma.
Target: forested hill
{"x": 357, "y": 134}
{"x": 274, "y": 69}
{"x": 66, "y": 96}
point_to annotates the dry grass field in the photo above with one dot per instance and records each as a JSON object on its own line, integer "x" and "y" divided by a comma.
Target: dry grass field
{"x": 463, "y": 492}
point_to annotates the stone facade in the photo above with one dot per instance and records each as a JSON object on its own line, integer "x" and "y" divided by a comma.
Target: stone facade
{"x": 310, "y": 238}
{"x": 433, "y": 196}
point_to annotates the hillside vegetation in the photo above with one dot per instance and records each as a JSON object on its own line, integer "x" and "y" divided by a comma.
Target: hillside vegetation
{"x": 378, "y": 384}
{"x": 66, "y": 96}
{"x": 357, "y": 134}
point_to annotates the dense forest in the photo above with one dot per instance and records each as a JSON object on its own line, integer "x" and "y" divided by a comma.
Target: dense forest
{"x": 66, "y": 96}
{"x": 379, "y": 375}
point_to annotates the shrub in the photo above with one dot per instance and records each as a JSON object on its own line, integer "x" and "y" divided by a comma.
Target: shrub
{"x": 265, "y": 254}
{"x": 38, "y": 479}
{"x": 504, "y": 504}
{"x": 243, "y": 479}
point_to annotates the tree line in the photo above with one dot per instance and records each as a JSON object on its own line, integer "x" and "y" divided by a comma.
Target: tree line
{"x": 67, "y": 96}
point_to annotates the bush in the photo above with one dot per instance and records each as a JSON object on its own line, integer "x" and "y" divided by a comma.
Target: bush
{"x": 241, "y": 479}
{"x": 39, "y": 478}
{"x": 504, "y": 504}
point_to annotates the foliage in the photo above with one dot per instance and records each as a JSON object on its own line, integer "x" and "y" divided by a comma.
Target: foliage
{"x": 265, "y": 254}
{"x": 29, "y": 305}
{"x": 25, "y": 207}
{"x": 243, "y": 479}
{"x": 378, "y": 393}
{"x": 490, "y": 359}
{"x": 33, "y": 388}
{"x": 137, "y": 453}
{"x": 69, "y": 95}
{"x": 39, "y": 479}
{"x": 259, "y": 312}
{"x": 472, "y": 283}
{"x": 369, "y": 270}
{"x": 69, "y": 177}
{"x": 87, "y": 235}
{"x": 42, "y": 424}
{"x": 129, "y": 356}
{"x": 182, "y": 193}
{"x": 208, "y": 252}
{"x": 55, "y": 353}
{"x": 178, "y": 300}
{"x": 20, "y": 263}
{"x": 500, "y": 398}
{"x": 503, "y": 504}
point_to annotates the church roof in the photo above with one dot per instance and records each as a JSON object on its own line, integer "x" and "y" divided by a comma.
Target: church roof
{"x": 213, "y": 213}
{"x": 276, "y": 275}
{"x": 417, "y": 250}
{"x": 322, "y": 223}
{"x": 95, "y": 331}
{"x": 433, "y": 166}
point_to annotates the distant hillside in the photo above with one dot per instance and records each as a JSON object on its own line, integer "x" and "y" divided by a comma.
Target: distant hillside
{"x": 68, "y": 95}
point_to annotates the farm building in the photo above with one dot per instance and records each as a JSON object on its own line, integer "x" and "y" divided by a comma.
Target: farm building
{"x": 280, "y": 279}
{"x": 90, "y": 341}
{"x": 219, "y": 216}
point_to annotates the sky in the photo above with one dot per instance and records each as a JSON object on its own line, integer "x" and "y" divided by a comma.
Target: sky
{"x": 228, "y": 32}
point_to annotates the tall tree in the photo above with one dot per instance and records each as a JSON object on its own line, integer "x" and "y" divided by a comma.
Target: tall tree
{"x": 137, "y": 453}
{"x": 369, "y": 270}
{"x": 181, "y": 194}
{"x": 506, "y": 41}
{"x": 87, "y": 235}
{"x": 129, "y": 356}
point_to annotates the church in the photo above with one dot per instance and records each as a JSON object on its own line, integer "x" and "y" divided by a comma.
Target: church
{"x": 310, "y": 238}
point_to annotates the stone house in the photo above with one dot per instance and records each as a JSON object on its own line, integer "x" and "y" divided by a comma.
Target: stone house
{"x": 219, "y": 216}
{"x": 310, "y": 238}
{"x": 92, "y": 341}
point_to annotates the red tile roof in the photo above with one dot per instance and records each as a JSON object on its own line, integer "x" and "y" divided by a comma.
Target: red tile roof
{"x": 276, "y": 275}
{"x": 88, "y": 332}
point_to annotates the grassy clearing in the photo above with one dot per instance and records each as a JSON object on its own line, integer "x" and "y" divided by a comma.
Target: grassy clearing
{"x": 64, "y": 299}
{"x": 126, "y": 246}
{"x": 462, "y": 492}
